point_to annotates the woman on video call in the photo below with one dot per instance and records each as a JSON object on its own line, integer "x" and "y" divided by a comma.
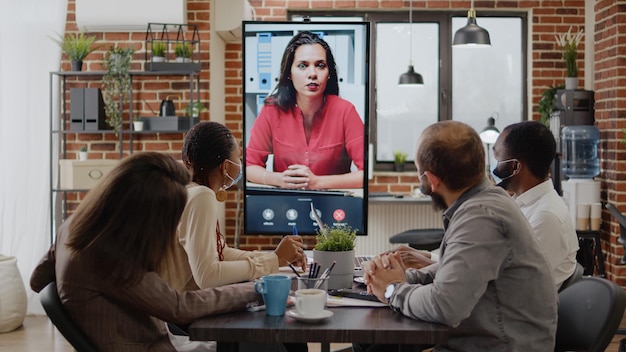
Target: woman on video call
{"x": 314, "y": 134}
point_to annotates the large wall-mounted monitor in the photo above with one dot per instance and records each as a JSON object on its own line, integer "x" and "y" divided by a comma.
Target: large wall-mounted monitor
{"x": 305, "y": 156}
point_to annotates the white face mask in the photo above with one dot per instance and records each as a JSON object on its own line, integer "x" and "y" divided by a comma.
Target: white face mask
{"x": 236, "y": 179}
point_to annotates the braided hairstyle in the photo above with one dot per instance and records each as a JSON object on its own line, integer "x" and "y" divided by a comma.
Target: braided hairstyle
{"x": 206, "y": 146}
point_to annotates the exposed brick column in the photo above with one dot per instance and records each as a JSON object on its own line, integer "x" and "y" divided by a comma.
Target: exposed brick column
{"x": 610, "y": 97}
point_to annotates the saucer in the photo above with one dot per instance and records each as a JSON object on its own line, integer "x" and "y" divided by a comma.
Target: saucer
{"x": 309, "y": 319}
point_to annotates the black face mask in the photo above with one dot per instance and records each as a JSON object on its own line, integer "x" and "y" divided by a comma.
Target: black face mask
{"x": 504, "y": 174}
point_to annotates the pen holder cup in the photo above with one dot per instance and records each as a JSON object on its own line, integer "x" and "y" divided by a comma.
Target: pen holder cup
{"x": 305, "y": 283}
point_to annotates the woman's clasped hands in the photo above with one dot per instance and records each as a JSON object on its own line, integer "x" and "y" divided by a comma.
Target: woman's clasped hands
{"x": 298, "y": 177}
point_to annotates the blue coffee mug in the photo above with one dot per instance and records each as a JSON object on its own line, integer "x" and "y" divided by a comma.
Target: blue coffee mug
{"x": 275, "y": 290}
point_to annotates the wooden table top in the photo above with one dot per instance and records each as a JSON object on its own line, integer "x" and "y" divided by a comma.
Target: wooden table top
{"x": 348, "y": 324}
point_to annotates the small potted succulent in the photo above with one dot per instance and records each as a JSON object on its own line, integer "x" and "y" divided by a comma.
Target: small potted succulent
{"x": 138, "y": 123}
{"x": 399, "y": 159}
{"x": 82, "y": 153}
{"x": 158, "y": 51}
{"x": 183, "y": 52}
{"x": 76, "y": 47}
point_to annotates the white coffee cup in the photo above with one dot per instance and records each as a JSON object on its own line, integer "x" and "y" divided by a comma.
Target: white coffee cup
{"x": 582, "y": 216}
{"x": 310, "y": 302}
{"x": 596, "y": 216}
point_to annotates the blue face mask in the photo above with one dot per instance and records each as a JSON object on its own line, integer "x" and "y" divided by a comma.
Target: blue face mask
{"x": 235, "y": 180}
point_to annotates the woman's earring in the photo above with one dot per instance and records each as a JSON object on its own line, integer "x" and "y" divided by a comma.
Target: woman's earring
{"x": 221, "y": 195}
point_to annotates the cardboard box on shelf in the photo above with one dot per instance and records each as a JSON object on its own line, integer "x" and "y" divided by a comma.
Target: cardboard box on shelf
{"x": 83, "y": 174}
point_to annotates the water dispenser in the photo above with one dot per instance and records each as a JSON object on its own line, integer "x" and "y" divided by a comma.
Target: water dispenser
{"x": 580, "y": 163}
{"x": 580, "y": 151}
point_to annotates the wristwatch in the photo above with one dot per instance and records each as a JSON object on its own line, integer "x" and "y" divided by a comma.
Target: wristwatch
{"x": 391, "y": 288}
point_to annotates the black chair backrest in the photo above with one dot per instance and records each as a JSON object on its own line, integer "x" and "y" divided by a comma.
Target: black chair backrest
{"x": 577, "y": 275}
{"x": 590, "y": 311}
{"x": 51, "y": 303}
{"x": 622, "y": 227}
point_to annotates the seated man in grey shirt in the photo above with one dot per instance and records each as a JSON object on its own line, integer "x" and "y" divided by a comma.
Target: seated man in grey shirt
{"x": 491, "y": 285}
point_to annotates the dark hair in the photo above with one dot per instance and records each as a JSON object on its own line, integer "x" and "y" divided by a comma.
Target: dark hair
{"x": 206, "y": 146}
{"x": 127, "y": 222}
{"x": 532, "y": 143}
{"x": 452, "y": 151}
{"x": 284, "y": 95}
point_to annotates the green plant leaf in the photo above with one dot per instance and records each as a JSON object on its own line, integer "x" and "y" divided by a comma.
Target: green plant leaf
{"x": 76, "y": 45}
{"x": 336, "y": 239}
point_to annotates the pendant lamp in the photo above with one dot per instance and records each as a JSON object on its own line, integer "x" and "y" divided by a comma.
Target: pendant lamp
{"x": 472, "y": 35}
{"x": 490, "y": 134}
{"x": 410, "y": 78}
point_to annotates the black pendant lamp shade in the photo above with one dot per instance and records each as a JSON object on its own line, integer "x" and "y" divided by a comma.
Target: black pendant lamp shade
{"x": 490, "y": 134}
{"x": 411, "y": 77}
{"x": 472, "y": 34}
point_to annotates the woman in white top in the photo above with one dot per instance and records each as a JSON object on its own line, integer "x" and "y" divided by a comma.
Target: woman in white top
{"x": 202, "y": 259}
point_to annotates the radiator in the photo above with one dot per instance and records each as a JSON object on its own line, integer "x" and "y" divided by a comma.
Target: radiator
{"x": 386, "y": 219}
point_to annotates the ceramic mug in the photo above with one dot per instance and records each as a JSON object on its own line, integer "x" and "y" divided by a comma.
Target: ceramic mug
{"x": 275, "y": 290}
{"x": 310, "y": 302}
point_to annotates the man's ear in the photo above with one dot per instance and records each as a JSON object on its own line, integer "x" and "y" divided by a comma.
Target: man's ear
{"x": 433, "y": 179}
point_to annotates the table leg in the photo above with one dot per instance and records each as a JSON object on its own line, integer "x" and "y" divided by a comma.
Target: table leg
{"x": 325, "y": 346}
{"x": 227, "y": 347}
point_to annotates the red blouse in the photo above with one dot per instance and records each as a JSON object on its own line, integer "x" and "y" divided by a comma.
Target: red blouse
{"x": 336, "y": 138}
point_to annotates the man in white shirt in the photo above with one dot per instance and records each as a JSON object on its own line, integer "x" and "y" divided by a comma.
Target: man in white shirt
{"x": 524, "y": 152}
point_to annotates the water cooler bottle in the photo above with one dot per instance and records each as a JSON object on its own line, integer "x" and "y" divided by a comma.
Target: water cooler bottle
{"x": 579, "y": 148}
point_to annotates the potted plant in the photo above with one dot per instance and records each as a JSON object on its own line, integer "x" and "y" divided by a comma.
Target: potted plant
{"x": 138, "y": 123}
{"x": 335, "y": 244}
{"x": 183, "y": 52}
{"x": 82, "y": 153}
{"x": 195, "y": 109}
{"x": 546, "y": 104}
{"x": 158, "y": 51}
{"x": 76, "y": 46}
{"x": 116, "y": 84}
{"x": 569, "y": 45}
{"x": 399, "y": 159}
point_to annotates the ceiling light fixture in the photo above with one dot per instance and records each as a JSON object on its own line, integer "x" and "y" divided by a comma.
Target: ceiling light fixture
{"x": 411, "y": 78}
{"x": 472, "y": 35}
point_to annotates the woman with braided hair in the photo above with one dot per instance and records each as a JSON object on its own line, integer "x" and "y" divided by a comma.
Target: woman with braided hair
{"x": 202, "y": 258}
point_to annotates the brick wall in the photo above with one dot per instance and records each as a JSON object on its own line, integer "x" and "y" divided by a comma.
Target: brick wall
{"x": 546, "y": 69}
{"x": 610, "y": 96}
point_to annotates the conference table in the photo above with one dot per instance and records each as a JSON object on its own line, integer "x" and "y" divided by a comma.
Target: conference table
{"x": 369, "y": 325}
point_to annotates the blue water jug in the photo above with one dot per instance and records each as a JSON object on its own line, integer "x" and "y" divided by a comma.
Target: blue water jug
{"x": 579, "y": 146}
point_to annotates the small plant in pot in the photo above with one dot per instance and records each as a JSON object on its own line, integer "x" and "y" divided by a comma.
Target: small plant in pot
{"x": 183, "y": 52}
{"x": 158, "y": 51}
{"x": 138, "y": 123}
{"x": 76, "y": 46}
{"x": 399, "y": 159}
{"x": 82, "y": 153}
{"x": 336, "y": 244}
{"x": 568, "y": 43}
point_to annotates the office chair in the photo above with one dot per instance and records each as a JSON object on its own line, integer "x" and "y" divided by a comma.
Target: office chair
{"x": 51, "y": 303}
{"x": 589, "y": 314}
{"x": 576, "y": 275}
{"x": 423, "y": 239}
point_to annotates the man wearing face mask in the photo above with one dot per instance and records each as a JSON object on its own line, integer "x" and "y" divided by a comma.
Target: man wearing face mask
{"x": 524, "y": 152}
{"x": 490, "y": 284}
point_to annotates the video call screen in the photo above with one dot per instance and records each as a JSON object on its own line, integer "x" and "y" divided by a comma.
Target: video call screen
{"x": 276, "y": 141}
